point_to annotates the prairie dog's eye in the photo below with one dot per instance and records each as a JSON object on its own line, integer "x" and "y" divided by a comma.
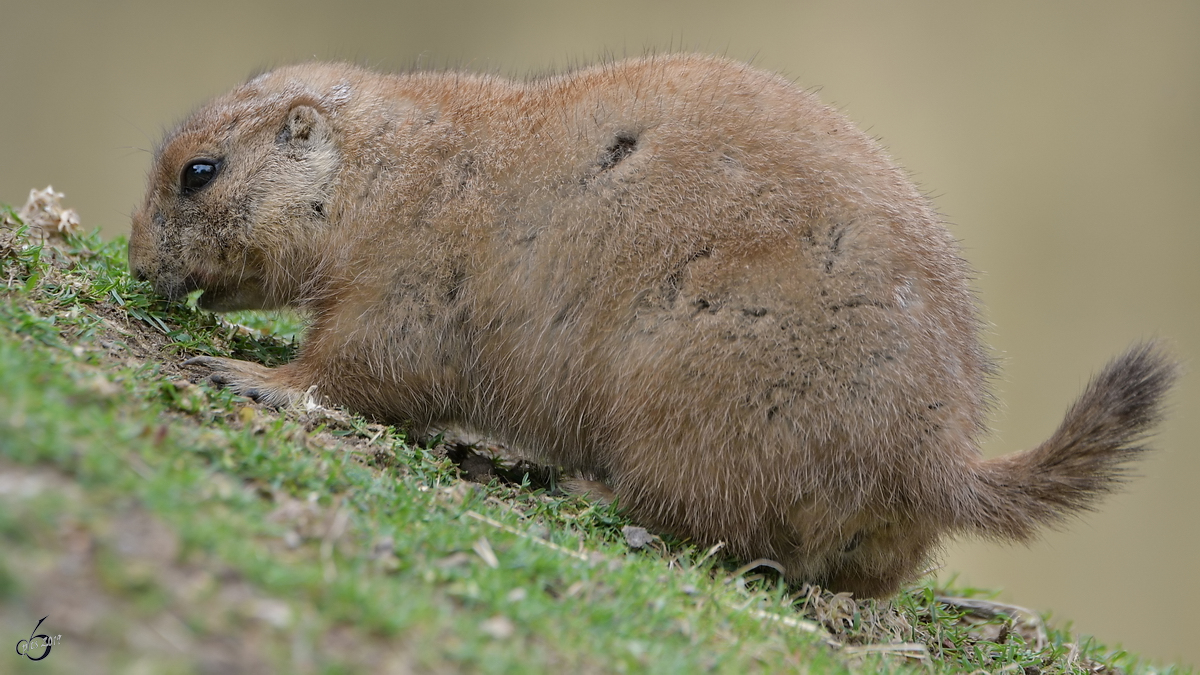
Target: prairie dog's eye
{"x": 197, "y": 173}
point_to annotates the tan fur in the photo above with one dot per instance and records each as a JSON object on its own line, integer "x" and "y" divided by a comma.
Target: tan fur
{"x": 679, "y": 276}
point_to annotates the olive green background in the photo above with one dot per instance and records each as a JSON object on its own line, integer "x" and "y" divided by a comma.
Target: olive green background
{"x": 1061, "y": 141}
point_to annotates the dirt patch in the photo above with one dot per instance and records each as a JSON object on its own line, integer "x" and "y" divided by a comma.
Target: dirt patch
{"x": 116, "y": 583}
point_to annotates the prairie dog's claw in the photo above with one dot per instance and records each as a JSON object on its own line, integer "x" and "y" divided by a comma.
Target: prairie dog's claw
{"x": 254, "y": 381}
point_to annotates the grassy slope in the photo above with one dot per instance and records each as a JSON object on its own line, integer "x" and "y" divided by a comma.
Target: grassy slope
{"x": 165, "y": 526}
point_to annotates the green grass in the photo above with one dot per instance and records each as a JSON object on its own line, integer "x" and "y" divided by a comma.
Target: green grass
{"x": 170, "y": 527}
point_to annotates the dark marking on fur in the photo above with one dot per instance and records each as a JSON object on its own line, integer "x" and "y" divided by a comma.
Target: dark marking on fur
{"x": 456, "y": 284}
{"x": 854, "y": 542}
{"x": 835, "y": 244}
{"x": 468, "y": 171}
{"x": 858, "y": 301}
{"x": 621, "y": 147}
{"x": 673, "y": 284}
{"x": 560, "y": 317}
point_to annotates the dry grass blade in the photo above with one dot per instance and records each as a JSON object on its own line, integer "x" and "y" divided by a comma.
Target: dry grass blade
{"x": 484, "y": 549}
{"x": 1026, "y": 622}
{"x": 793, "y": 622}
{"x": 712, "y": 550}
{"x": 760, "y": 562}
{"x": 910, "y": 650}
{"x": 525, "y": 535}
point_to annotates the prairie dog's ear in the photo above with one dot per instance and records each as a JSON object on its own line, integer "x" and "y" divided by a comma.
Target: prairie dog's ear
{"x": 305, "y": 125}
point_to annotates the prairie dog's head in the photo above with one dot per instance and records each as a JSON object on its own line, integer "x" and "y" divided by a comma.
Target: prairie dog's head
{"x": 238, "y": 195}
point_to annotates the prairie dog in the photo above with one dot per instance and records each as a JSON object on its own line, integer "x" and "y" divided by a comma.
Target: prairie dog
{"x": 679, "y": 276}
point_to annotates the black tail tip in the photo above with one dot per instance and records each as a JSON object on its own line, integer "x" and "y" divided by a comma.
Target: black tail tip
{"x": 1141, "y": 376}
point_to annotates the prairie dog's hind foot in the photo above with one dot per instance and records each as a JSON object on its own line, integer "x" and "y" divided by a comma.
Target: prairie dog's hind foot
{"x": 589, "y": 489}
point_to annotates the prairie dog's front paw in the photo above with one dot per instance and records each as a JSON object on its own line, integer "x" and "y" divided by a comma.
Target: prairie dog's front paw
{"x": 260, "y": 383}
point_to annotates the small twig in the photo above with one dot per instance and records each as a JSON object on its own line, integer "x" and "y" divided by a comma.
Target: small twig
{"x": 524, "y": 535}
{"x": 712, "y": 550}
{"x": 989, "y": 609}
{"x": 484, "y": 550}
{"x": 793, "y": 622}
{"x": 912, "y": 650}
{"x": 139, "y": 466}
{"x": 761, "y": 562}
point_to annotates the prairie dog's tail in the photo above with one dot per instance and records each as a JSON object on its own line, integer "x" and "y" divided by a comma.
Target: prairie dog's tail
{"x": 1085, "y": 458}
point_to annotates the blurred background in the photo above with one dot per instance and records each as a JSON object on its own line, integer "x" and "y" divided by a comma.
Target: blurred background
{"x": 1060, "y": 141}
